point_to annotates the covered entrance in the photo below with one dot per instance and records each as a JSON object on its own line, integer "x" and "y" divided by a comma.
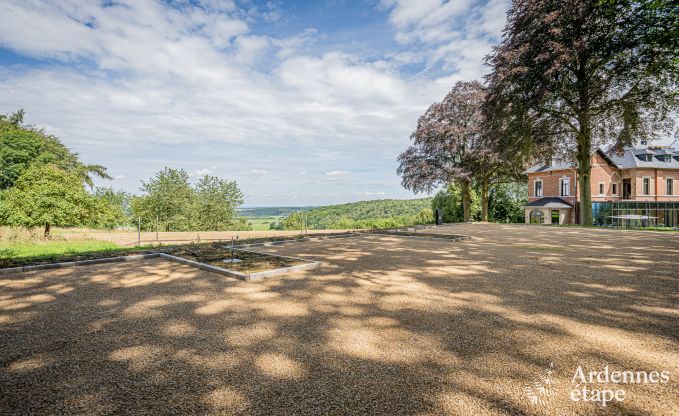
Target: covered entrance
{"x": 550, "y": 210}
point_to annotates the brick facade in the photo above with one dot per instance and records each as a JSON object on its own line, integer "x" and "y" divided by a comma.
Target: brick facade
{"x": 603, "y": 175}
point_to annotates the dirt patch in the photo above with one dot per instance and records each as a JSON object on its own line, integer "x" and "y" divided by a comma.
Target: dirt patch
{"x": 249, "y": 262}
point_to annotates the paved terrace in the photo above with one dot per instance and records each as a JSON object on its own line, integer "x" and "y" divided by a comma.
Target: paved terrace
{"x": 387, "y": 325}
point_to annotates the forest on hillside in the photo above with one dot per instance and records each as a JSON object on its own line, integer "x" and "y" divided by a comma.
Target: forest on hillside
{"x": 383, "y": 213}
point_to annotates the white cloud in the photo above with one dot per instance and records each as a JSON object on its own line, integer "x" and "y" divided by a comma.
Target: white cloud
{"x": 119, "y": 177}
{"x": 371, "y": 193}
{"x": 455, "y": 33}
{"x": 202, "y": 172}
{"x": 141, "y": 85}
{"x": 335, "y": 173}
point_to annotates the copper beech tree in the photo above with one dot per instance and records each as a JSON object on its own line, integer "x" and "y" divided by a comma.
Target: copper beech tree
{"x": 571, "y": 75}
{"x": 448, "y": 145}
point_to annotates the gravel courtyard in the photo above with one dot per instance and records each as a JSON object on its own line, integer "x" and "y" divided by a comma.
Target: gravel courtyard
{"x": 387, "y": 325}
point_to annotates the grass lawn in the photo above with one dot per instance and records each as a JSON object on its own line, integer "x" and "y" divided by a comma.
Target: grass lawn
{"x": 28, "y": 252}
{"x": 47, "y": 248}
{"x": 262, "y": 223}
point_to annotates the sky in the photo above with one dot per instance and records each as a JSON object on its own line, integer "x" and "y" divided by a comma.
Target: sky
{"x": 301, "y": 102}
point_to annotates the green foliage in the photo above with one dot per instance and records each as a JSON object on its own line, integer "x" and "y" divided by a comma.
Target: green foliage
{"x": 112, "y": 209}
{"x": 269, "y": 212}
{"x": 23, "y": 146}
{"x": 506, "y": 202}
{"x": 293, "y": 221}
{"x": 216, "y": 202}
{"x": 169, "y": 198}
{"x": 178, "y": 206}
{"x": 450, "y": 201}
{"x": 45, "y": 196}
{"x": 386, "y": 213}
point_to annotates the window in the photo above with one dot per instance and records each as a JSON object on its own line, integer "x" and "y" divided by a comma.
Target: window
{"x": 646, "y": 186}
{"x": 538, "y": 188}
{"x": 670, "y": 186}
{"x": 602, "y": 188}
{"x": 564, "y": 186}
{"x": 614, "y": 188}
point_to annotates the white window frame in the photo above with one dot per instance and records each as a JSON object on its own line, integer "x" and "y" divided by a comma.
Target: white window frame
{"x": 535, "y": 188}
{"x": 602, "y": 185}
{"x": 669, "y": 185}
{"x": 565, "y": 181}
{"x": 645, "y": 192}
{"x": 614, "y": 188}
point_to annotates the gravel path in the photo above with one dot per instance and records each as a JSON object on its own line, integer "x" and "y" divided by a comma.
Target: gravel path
{"x": 387, "y": 325}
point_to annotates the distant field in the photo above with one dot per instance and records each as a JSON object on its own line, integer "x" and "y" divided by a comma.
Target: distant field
{"x": 262, "y": 223}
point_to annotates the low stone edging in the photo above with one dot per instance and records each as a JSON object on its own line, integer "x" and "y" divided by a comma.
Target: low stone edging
{"x": 202, "y": 266}
{"x": 48, "y": 266}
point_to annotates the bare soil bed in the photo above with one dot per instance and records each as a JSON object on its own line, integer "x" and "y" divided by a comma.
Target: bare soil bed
{"x": 386, "y": 325}
{"x": 216, "y": 254}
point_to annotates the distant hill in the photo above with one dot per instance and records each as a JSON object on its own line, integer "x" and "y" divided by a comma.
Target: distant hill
{"x": 254, "y": 212}
{"x": 381, "y": 213}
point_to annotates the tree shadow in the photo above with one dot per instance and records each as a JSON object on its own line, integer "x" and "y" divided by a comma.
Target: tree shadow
{"x": 387, "y": 325}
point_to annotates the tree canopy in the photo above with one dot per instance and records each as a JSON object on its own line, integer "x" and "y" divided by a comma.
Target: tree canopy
{"x": 170, "y": 199}
{"x": 449, "y": 145}
{"x": 381, "y": 213}
{"x": 570, "y": 75}
{"x": 46, "y": 196}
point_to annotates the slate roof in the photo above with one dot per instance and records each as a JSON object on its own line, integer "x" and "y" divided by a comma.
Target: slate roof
{"x": 550, "y": 202}
{"x": 633, "y": 158}
{"x": 629, "y": 159}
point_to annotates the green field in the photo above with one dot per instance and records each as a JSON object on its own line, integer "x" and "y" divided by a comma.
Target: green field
{"x": 262, "y": 223}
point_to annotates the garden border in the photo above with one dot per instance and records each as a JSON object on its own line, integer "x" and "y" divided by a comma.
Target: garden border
{"x": 309, "y": 264}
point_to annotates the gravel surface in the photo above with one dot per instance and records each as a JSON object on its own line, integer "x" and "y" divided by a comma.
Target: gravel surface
{"x": 387, "y": 325}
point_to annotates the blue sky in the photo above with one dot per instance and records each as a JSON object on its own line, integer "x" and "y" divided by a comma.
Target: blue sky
{"x": 303, "y": 103}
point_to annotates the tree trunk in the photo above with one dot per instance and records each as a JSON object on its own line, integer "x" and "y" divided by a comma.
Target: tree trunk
{"x": 466, "y": 200}
{"x": 584, "y": 170}
{"x": 484, "y": 199}
{"x": 47, "y": 230}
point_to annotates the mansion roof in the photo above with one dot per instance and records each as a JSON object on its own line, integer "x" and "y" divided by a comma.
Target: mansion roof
{"x": 634, "y": 157}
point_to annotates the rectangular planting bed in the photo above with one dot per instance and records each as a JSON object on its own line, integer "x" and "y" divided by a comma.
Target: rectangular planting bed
{"x": 242, "y": 264}
{"x": 213, "y": 257}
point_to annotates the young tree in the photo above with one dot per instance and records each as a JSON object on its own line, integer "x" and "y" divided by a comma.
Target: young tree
{"x": 169, "y": 197}
{"x": 448, "y": 146}
{"x": 216, "y": 203}
{"x": 46, "y": 196}
{"x": 570, "y": 75}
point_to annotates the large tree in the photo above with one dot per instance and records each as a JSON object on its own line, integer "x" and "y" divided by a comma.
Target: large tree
{"x": 571, "y": 75}
{"x": 448, "y": 146}
{"x": 22, "y": 146}
{"x": 46, "y": 196}
{"x": 168, "y": 198}
{"x": 216, "y": 203}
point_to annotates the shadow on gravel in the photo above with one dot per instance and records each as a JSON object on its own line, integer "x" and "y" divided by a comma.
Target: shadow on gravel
{"x": 387, "y": 325}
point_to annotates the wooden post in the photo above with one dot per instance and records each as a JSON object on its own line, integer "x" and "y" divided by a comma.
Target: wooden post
{"x": 139, "y": 232}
